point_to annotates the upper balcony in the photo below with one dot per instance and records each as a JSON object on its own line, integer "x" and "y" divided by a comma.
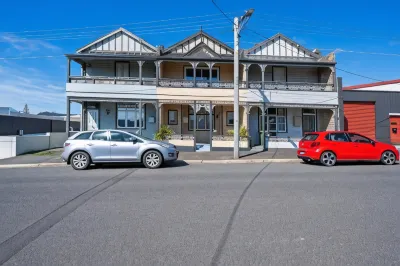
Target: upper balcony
{"x": 178, "y": 74}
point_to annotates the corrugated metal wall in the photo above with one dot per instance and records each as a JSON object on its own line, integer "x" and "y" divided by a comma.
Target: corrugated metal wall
{"x": 359, "y": 117}
{"x": 11, "y": 124}
{"x": 385, "y": 103}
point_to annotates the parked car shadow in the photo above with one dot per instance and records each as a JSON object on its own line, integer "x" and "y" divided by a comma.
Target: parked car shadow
{"x": 136, "y": 165}
{"x": 347, "y": 163}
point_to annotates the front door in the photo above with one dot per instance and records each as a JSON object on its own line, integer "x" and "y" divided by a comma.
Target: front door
{"x": 123, "y": 147}
{"x": 93, "y": 119}
{"x": 99, "y": 146}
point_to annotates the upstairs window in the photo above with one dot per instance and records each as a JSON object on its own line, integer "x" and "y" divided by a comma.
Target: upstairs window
{"x": 202, "y": 73}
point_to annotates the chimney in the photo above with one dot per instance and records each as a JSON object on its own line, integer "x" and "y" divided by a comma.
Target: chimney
{"x": 316, "y": 51}
{"x": 160, "y": 49}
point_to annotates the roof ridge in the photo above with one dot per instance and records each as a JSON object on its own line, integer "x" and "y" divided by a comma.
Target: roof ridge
{"x": 373, "y": 84}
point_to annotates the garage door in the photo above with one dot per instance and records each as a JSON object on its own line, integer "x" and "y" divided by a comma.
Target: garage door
{"x": 360, "y": 117}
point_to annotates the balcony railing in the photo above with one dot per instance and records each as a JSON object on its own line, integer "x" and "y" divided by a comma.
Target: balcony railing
{"x": 182, "y": 83}
{"x": 112, "y": 80}
{"x": 295, "y": 86}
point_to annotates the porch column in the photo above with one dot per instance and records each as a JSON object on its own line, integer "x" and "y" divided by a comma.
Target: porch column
{"x": 246, "y": 69}
{"x": 140, "y": 117}
{"x": 67, "y": 117}
{"x": 210, "y": 66}
{"x": 84, "y": 116}
{"x": 81, "y": 120}
{"x": 211, "y": 125}
{"x": 68, "y": 69}
{"x": 263, "y": 126}
{"x": 158, "y": 115}
{"x": 158, "y": 64}
{"x": 247, "y": 110}
{"x": 194, "y": 65}
{"x": 262, "y": 75}
{"x": 140, "y": 71}
{"x": 194, "y": 124}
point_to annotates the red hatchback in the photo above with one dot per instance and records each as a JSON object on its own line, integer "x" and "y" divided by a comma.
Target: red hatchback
{"x": 330, "y": 147}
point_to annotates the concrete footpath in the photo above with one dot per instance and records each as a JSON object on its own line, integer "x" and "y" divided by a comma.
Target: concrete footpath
{"x": 51, "y": 158}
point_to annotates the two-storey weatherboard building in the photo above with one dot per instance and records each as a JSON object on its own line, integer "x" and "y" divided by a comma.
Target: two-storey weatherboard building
{"x": 127, "y": 83}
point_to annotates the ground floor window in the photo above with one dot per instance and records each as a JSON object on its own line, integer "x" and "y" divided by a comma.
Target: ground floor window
{"x": 275, "y": 120}
{"x": 309, "y": 120}
{"x": 202, "y": 117}
{"x": 128, "y": 116}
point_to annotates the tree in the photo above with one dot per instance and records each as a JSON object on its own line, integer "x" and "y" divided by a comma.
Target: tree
{"x": 26, "y": 109}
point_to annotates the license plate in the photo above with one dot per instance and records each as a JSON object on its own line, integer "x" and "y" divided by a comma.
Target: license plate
{"x": 302, "y": 152}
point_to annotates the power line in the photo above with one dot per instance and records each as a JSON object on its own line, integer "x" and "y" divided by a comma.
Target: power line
{"x": 220, "y": 10}
{"x": 117, "y": 25}
{"x": 142, "y": 33}
{"x": 359, "y": 75}
{"x": 319, "y": 27}
{"x": 338, "y": 50}
{"x": 154, "y": 27}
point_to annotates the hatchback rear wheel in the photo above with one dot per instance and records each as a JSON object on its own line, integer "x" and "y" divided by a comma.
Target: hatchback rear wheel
{"x": 388, "y": 158}
{"x": 328, "y": 158}
{"x": 152, "y": 159}
{"x": 80, "y": 160}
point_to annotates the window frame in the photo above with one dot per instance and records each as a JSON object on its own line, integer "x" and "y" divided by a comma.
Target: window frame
{"x": 308, "y": 115}
{"x": 267, "y": 117}
{"x": 198, "y": 115}
{"x": 328, "y": 137}
{"x": 201, "y": 68}
{"x": 349, "y": 137}
{"x": 177, "y": 120}
{"x": 123, "y": 133}
{"x": 126, "y": 117}
{"x": 227, "y": 123}
{"x": 90, "y": 135}
{"x": 122, "y": 62}
{"x": 97, "y": 131}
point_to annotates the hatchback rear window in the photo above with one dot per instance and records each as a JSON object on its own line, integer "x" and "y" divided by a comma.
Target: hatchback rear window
{"x": 85, "y": 135}
{"x": 310, "y": 137}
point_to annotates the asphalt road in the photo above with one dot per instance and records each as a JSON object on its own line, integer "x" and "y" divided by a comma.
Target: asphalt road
{"x": 282, "y": 214}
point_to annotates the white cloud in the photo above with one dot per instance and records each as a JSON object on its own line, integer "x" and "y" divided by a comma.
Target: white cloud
{"x": 26, "y": 45}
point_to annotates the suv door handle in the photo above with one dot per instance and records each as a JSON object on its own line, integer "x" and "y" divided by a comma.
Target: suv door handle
{"x": 90, "y": 144}
{"x": 114, "y": 145}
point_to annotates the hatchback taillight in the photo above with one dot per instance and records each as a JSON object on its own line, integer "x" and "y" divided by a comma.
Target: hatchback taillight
{"x": 314, "y": 144}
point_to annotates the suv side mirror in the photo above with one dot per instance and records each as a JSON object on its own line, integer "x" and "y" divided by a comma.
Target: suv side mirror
{"x": 134, "y": 140}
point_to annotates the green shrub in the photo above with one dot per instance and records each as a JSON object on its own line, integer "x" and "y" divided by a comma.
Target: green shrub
{"x": 242, "y": 132}
{"x": 164, "y": 133}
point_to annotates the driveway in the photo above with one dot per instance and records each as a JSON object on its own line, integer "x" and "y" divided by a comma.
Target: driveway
{"x": 258, "y": 214}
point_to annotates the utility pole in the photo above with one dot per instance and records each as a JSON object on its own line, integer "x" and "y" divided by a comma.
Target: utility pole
{"x": 237, "y": 27}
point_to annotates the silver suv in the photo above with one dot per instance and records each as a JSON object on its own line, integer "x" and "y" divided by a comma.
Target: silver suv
{"x": 109, "y": 146}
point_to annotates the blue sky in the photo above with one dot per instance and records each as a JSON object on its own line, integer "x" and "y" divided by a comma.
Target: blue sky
{"x": 32, "y": 28}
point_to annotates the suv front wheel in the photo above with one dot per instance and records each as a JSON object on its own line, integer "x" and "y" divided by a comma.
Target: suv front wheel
{"x": 152, "y": 159}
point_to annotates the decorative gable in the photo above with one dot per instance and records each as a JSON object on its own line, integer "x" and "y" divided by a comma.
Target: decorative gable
{"x": 207, "y": 42}
{"x": 119, "y": 41}
{"x": 280, "y": 45}
{"x": 202, "y": 51}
